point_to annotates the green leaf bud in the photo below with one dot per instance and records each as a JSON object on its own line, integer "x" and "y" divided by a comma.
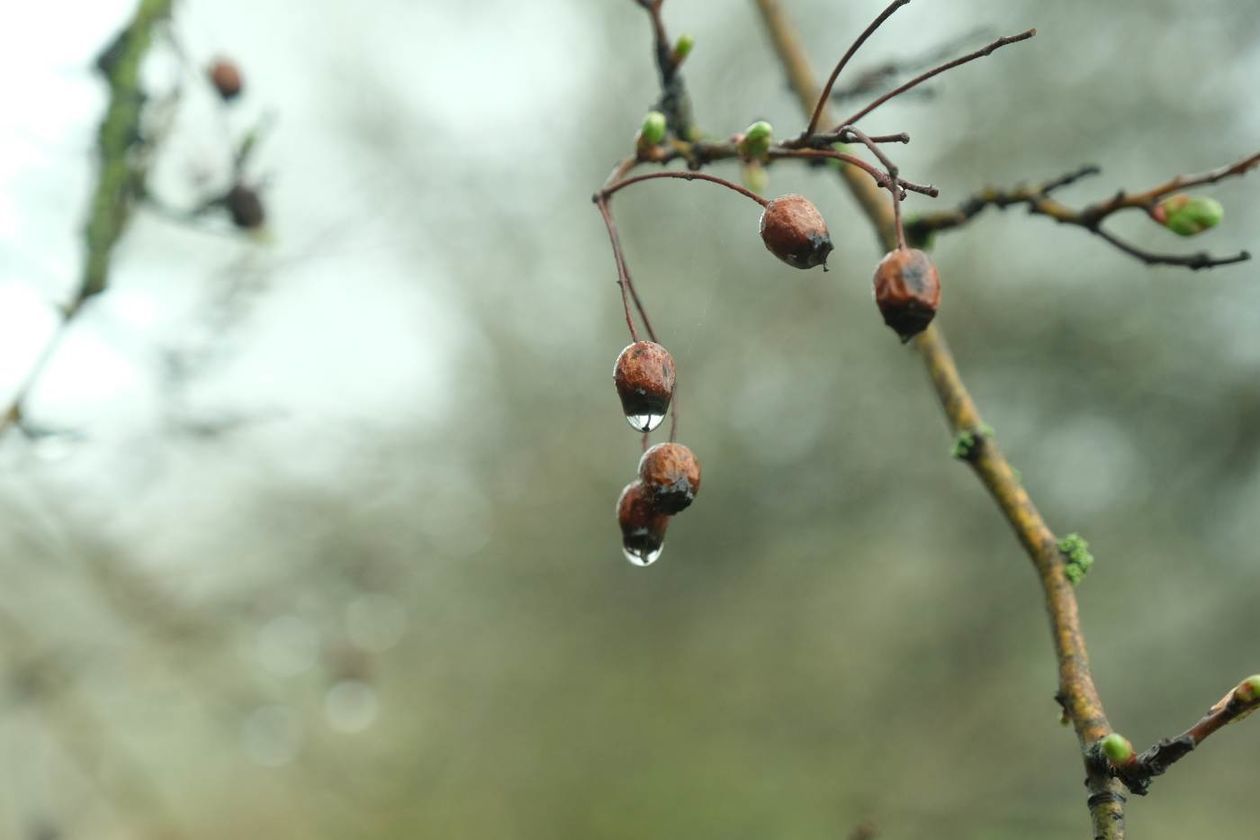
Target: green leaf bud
{"x": 653, "y": 130}
{"x": 682, "y": 48}
{"x": 1188, "y": 215}
{"x": 1117, "y": 748}
{"x": 1249, "y": 689}
{"x": 757, "y": 139}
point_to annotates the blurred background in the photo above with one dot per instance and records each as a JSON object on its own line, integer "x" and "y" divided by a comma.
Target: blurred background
{"x": 312, "y": 534}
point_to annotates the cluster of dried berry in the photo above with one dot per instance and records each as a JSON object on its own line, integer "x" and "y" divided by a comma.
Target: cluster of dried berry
{"x": 669, "y": 473}
{"x": 907, "y": 291}
{"x": 907, "y": 286}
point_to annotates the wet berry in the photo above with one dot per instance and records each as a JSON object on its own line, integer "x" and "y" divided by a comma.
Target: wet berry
{"x": 907, "y": 290}
{"x": 642, "y": 525}
{"x": 671, "y": 474}
{"x": 644, "y": 376}
{"x": 794, "y": 231}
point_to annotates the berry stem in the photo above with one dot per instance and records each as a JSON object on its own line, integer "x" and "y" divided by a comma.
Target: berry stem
{"x": 892, "y": 182}
{"x": 607, "y": 192}
{"x": 673, "y": 415}
{"x": 623, "y": 273}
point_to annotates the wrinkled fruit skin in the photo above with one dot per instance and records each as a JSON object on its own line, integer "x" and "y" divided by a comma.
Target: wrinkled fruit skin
{"x": 794, "y": 231}
{"x": 226, "y": 78}
{"x": 671, "y": 474}
{"x": 642, "y": 525}
{"x": 245, "y": 207}
{"x": 908, "y": 291}
{"x": 644, "y": 376}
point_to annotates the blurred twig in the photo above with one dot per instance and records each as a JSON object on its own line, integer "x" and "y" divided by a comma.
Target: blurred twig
{"x": 120, "y": 174}
{"x": 39, "y": 677}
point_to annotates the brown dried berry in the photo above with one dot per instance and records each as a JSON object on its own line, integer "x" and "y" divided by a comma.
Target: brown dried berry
{"x": 794, "y": 231}
{"x": 245, "y": 206}
{"x": 644, "y": 376}
{"x": 226, "y": 78}
{"x": 671, "y": 473}
{"x": 908, "y": 291}
{"x": 642, "y": 525}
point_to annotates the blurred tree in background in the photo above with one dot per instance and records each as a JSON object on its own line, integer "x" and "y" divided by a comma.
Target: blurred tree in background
{"x": 313, "y": 536}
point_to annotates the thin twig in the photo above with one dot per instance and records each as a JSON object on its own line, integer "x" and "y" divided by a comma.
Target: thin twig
{"x": 622, "y": 273}
{"x": 607, "y": 192}
{"x": 872, "y": 79}
{"x": 1138, "y": 772}
{"x": 1195, "y": 262}
{"x": 853, "y": 48}
{"x": 891, "y": 169}
{"x": 120, "y": 174}
{"x": 936, "y": 71}
{"x": 879, "y": 177}
{"x": 1037, "y": 199}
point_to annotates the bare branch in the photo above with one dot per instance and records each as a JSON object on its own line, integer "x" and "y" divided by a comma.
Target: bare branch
{"x": 936, "y": 71}
{"x": 1138, "y": 772}
{"x": 853, "y": 48}
{"x": 1036, "y": 198}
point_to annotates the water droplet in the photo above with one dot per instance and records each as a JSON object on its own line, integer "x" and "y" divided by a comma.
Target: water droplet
{"x": 644, "y": 422}
{"x": 641, "y": 556}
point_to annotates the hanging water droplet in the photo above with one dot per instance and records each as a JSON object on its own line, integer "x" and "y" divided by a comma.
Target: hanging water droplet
{"x": 642, "y": 556}
{"x": 642, "y": 526}
{"x": 644, "y": 422}
{"x": 644, "y": 376}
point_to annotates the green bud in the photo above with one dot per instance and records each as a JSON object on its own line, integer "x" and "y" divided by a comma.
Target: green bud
{"x": 1076, "y": 557}
{"x": 653, "y": 130}
{"x": 1249, "y": 689}
{"x": 1117, "y": 748}
{"x": 1188, "y": 215}
{"x": 682, "y": 48}
{"x": 755, "y": 177}
{"x": 757, "y": 139}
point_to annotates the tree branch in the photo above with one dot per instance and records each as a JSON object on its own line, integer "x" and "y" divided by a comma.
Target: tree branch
{"x": 853, "y": 48}
{"x": 936, "y": 71}
{"x": 675, "y": 102}
{"x": 1080, "y": 697}
{"x": 1036, "y": 197}
{"x": 1139, "y": 770}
